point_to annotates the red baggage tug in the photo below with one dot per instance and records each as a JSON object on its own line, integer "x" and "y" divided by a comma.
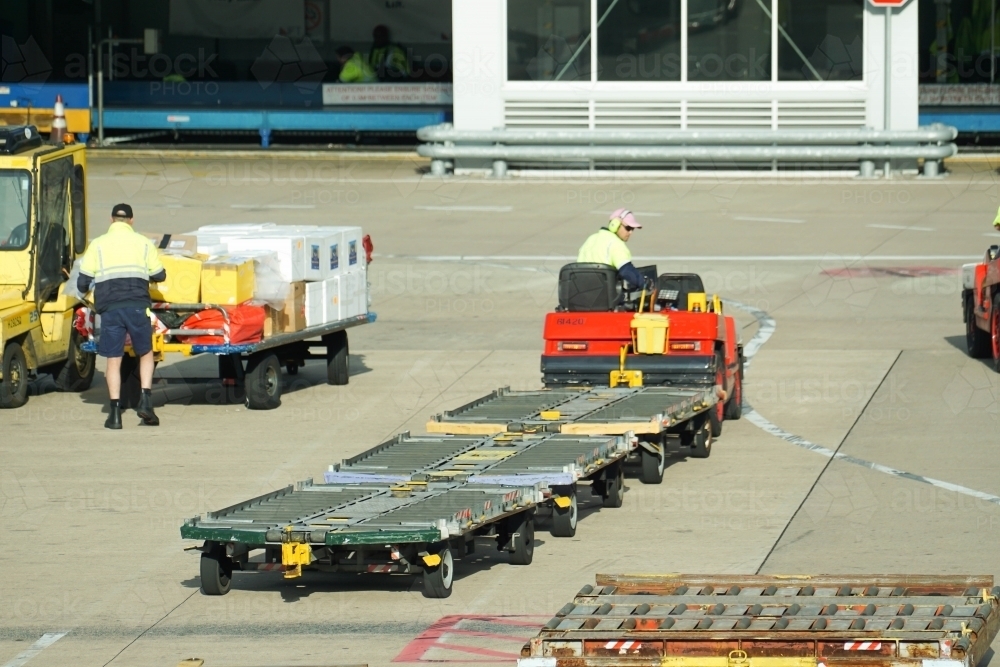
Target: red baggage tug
{"x": 674, "y": 335}
{"x": 981, "y": 307}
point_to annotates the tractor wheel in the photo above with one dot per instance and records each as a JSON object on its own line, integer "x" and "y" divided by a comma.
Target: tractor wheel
{"x": 718, "y": 411}
{"x": 995, "y": 333}
{"x": 700, "y": 443}
{"x": 564, "y": 520}
{"x": 438, "y": 579}
{"x": 977, "y": 341}
{"x": 14, "y": 386}
{"x": 734, "y": 406}
{"x": 77, "y": 373}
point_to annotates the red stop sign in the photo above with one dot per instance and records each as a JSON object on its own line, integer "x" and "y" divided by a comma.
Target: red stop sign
{"x": 887, "y": 3}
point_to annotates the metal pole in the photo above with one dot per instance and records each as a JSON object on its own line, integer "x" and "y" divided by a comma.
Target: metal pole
{"x": 90, "y": 68}
{"x": 888, "y": 77}
{"x": 100, "y": 96}
{"x": 993, "y": 40}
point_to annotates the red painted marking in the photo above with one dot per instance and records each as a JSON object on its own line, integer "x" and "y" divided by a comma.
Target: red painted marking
{"x": 432, "y": 636}
{"x": 862, "y": 646}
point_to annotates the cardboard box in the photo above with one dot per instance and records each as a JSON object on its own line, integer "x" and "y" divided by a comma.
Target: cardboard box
{"x": 183, "y": 283}
{"x": 292, "y": 317}
{"x": 290, "y": 248}
{"x": 176, "y": 243}
{"x": 227, "y": 280}
{"x": 272, "y": 321}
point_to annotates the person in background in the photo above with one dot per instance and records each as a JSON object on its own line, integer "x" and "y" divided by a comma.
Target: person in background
{"x": 120, "y": 265}
{"x": 388, "y": 60}
{"x": 996, "y": 221}
{"x": 353, "y": 67}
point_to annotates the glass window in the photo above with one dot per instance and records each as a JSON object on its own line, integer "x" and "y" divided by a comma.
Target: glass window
{"x": 820, "y": 40}
{"x": 15, "y": 202}
{"x": 79, "y": 210}
{"x": 729, "y": 40}
{"x": 638, "y": 40}
{"x": 53, "y": 225}
{"x": 548, "y": 40}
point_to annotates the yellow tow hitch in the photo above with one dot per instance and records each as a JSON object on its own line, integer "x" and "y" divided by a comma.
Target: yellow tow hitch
{"x": 294, "y": 555}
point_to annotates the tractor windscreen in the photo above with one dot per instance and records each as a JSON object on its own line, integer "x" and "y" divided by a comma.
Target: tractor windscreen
{"x": 15, "y": 202}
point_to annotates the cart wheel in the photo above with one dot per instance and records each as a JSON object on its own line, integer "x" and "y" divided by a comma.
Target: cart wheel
{"x": 216, "y": 574}
{"x": 976, "y": 340}
{"x": 718, "y": 411}
{"x": 564, "y": 520}
{"x": 522, "y": 539}
{"x": 263, "y": 382}
{"x": 700, "y": 443}
{"x": 734, "y": 406}
{"x": 614, "y": 487}
{"x": 653, "y": 465}
{"x": 131, "y": 387}
{"x": 77, "y": 373}
{"x": 337, "y": 358}
{"x": 438, "y": 580}
{"x": 14, "y": 386}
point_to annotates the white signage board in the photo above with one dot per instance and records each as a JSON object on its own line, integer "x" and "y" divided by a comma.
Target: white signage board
{"x": 387, "y": 93}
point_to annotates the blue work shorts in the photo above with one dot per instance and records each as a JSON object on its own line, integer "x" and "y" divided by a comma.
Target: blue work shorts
{"x": 116, "y": 323}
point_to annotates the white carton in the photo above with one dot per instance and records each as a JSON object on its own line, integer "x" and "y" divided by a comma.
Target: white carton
{"x": 344, "y": 250}
{"x": 290, "y": 248}
{"x": 315, "y": 304}
{"x": 353, "y": 293}
{"x": 320, "y": 242}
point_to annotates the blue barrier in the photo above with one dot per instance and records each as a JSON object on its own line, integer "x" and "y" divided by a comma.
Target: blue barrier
{"x": 965, "y": 120}
{"x": 43, "y": 95}
{"x": 264, "y": 121}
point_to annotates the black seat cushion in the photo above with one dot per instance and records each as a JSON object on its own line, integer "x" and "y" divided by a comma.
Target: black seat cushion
{"x": 588, "y": 287}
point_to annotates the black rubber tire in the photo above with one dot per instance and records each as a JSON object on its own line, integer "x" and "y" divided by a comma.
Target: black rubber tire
{"x": 995, "y": 333}
{"x": 734, "y": 406}
{"x": 77, "y": 373}
{"x": 700, "y": 443}
{"x": 14, "y": 386}
{"x": 522, "y": 539}
{"x": 717, "y": 413}
{"x": 338, "y": 362}
{"x": 652, "y": 466}
{"x": 216, "y": 574}
{"x": 614, "y": 487}
{"x": 438, "y": 580}
{"x": 263, "y": 381}
{"x": 564, "y": 520}
{"x": 131, "y": 388}
{"x": 977, "y": 341}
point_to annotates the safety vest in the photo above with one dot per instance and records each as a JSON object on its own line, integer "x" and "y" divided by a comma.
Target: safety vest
{"x": 389, "y": 61}
{"x": 356, "y": 70}
{"x": 121, "y": 263}
{"x": 604, "y": 247}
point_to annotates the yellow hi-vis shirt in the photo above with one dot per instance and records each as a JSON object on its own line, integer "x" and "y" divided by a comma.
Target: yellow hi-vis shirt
{"x": 121, "y": 264}
{"x": 996, "y": 220}
{"x": 604, "y": 247}
{"x": 356, "y": 70}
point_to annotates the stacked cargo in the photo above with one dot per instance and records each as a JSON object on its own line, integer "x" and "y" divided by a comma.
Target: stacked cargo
{"x": 306, "y": 275}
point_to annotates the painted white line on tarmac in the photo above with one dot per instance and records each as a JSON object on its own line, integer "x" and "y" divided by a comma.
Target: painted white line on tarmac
{"x": 903, "y": 228}
{"x": 747, "y": 218}
{"x": 45, "y": 641}
{"x": 651, "y": 214}
{"x": 275, "y": 206}
{"x": 765, "y": 330}
{"x": 695, "y": 258}
{"x": 995, "y": 235}
{"x": 469, "y": 209}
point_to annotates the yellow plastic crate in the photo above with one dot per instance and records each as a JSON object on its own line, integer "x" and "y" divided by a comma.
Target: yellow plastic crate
{"x": 649, "y": 333}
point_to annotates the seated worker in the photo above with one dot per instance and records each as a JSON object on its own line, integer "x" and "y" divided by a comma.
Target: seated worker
{"x": 996, "y": 221}
{"x": 353, "y": 68}
{"x": 388, "y": 60}
{"x": 607, "y": 246}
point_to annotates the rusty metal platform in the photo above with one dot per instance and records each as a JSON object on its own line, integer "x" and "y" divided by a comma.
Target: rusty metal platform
{"x": 595, "y": 411}
{"x": 772, "y": 621}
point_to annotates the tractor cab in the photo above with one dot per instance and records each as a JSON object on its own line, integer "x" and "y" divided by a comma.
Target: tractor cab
{"x": 43, "y": 229}
{"x": 587, "y": 287}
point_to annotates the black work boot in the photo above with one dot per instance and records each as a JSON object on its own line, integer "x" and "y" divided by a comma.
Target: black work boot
{"x": 145, "y": 409}
{"x": 114, "y": 420}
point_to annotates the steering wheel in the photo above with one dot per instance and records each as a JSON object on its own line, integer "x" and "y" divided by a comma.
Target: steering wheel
{"x": 18, "y": 237}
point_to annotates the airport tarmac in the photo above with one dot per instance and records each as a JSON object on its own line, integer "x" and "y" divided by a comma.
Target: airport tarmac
{"x": 848, "y": 295}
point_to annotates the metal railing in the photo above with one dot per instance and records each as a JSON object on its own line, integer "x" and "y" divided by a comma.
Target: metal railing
{"x": 863, "y": 147}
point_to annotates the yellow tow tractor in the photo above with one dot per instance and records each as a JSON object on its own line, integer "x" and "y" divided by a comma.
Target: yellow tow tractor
{"x": 43, "y": 229}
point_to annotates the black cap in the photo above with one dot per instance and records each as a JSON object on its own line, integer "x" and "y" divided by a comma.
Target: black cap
{"x": 121, "y": 211}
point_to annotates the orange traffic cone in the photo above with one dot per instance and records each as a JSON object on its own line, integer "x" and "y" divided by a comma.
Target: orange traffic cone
{"x": 58, "y": 122}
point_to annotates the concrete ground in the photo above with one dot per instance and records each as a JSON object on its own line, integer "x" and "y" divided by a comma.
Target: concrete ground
{"x": 867, "y": 358}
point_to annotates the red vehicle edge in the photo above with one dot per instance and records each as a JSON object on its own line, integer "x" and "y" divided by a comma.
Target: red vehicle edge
{"x": 981, "y": 307}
